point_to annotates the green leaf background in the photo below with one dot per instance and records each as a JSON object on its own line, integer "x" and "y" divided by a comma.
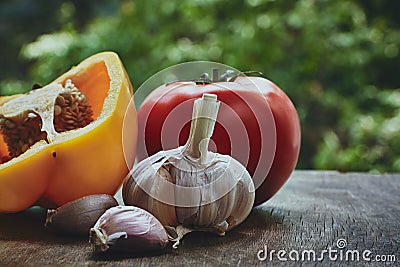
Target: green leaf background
{"x": 337, "y": 60}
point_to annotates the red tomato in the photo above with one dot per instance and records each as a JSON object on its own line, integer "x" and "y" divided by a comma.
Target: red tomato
{"x": 257, "y": 124}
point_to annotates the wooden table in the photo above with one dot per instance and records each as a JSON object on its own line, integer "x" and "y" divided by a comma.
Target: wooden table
{"x": 331, "y": 214}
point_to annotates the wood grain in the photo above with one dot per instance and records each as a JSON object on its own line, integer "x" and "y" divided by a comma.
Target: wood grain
{"x": 311, "y": 212}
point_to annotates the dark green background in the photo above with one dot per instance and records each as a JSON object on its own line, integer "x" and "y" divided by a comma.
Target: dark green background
{"x": 337, "y": 60}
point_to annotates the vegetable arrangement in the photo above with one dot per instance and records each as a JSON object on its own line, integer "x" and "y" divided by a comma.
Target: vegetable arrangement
{"x": 67, "y": 138}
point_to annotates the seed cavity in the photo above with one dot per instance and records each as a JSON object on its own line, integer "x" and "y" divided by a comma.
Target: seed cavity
{"x": 21, "y": 131}
{"x": 71, "y": 109}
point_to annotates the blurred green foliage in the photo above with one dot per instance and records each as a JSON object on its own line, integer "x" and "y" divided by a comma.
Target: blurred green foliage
{"x": 337, "y": 60}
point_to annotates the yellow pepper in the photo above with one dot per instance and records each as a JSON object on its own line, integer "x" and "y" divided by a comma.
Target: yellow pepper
{"x": 70, "y": 164}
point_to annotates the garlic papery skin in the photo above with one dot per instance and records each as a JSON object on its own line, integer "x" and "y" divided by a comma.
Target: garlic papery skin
{"x": 79, "y": 215}
{"x": 128, "y": 229}
{"x": 190, "y": 186}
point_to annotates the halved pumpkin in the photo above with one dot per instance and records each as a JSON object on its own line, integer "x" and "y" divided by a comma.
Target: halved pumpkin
{"x": 64, "y": 141}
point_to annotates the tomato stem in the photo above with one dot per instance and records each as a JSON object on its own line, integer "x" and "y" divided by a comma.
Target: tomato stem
{"x": 228, "y": 76}
{"x": 251, "y": 73}
{"x": 215, "y": 76}
{"x": 204, "y": 79}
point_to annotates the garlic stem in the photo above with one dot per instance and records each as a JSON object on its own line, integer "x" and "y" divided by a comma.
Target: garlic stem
{"x": 205, "y": 111}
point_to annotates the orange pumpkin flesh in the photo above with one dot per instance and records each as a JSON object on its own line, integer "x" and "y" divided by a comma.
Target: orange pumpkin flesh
{"x": 79, "y": 162}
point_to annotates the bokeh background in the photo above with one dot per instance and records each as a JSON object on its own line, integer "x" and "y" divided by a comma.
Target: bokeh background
{"x": 337, "y": 60}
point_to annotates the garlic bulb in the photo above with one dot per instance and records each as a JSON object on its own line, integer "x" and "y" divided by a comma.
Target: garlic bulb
{"x": 190, "y": 187}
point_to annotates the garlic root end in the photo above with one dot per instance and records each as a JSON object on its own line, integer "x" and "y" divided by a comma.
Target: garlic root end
{"x": 98, "y": 240}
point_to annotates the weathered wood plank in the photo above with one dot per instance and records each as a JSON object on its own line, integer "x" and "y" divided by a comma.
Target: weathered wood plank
{"x": 311, "y": 212}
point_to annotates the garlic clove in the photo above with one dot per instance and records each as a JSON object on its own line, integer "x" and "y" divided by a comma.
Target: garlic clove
{"x": 137, "y": 191}
{"x": 128, "y": 229}
{"x": 162, "y": 185}
{"x": 133, "y": 191}
{"x": 80, "y": 215}
{"x": 245, "y": 200}
{"x": 225, "y": 206}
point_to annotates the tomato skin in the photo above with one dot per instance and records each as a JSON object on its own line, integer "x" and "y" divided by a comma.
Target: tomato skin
{"x": 258, "y": 127}
{"x": 288, "y": 141}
